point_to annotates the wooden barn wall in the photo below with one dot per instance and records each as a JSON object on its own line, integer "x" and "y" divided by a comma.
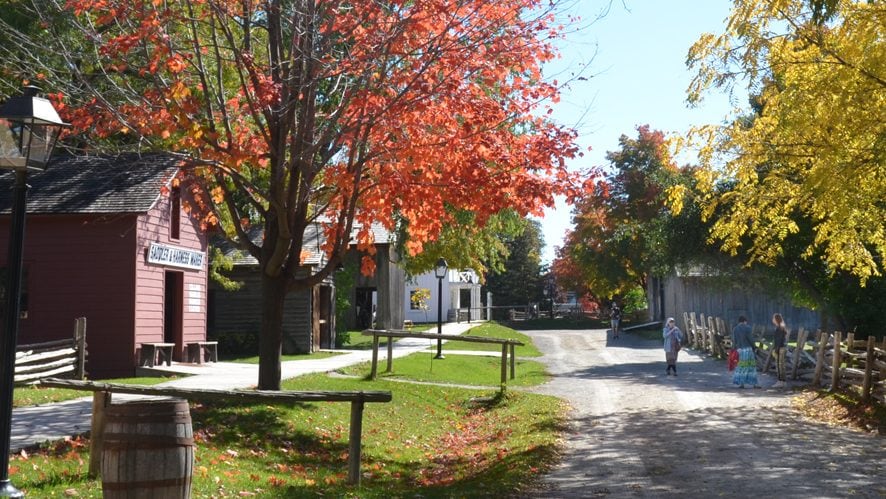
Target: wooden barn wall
{"x": 240, "y": 311}
{"x": 389, "y": 281}
{"x": 153, "y": 227}
{"x": 700, "y": 295}
{"x": 80, "y": 266}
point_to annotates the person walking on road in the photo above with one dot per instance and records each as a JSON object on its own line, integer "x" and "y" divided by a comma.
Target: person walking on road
{"x": 780, "y": 348}
{"x": 615, "y": 319}
{"x": 673, "y": 338}
{"x": 746, "y": 371}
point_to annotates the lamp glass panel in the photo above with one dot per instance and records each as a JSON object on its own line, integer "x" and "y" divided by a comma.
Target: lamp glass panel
{"x": 10, "y": 146}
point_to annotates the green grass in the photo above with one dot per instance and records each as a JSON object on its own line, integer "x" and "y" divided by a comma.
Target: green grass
{"x": 358, "y": 341}
{"x": 430, "y": 441}
{"x": 455, "y": 369}
{"x": 649, "y": 333}
{"x": 494, "y": 330}
{"x": 28, "y": 395}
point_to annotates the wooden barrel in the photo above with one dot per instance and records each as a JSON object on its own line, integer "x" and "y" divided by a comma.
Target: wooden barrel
{"x": 148, "y": 450}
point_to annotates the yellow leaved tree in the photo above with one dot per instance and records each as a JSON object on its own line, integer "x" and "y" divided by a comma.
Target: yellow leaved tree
{"x": 813, "y": 149}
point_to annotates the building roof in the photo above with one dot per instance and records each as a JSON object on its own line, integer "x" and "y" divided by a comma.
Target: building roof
{"x": 311, "y": 245}
{"x": 129, "y": 183}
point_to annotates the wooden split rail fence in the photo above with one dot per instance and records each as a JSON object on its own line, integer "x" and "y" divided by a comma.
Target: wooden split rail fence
{"x": 59, "y": 358}
{"x": 102, "y": 399}
{"x": 822, "y": 358}
{"x": 507, "y": 348}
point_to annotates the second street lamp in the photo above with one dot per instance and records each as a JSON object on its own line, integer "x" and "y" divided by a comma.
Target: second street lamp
{"x": 29, "y": 127}
{"x": 440, "y": 272}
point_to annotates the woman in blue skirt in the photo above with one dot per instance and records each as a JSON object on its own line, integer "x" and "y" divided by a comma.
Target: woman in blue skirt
{"x": 746, "y": 371}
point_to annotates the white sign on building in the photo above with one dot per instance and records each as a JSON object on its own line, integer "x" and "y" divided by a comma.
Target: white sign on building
{"x": 172, "y": 256}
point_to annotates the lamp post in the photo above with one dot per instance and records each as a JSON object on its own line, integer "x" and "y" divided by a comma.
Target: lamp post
{"x": 553, "y": 293}
{"x": 29, "y": 128}
{"x": 440, "y": 272}
{"x": 545, "y": 291}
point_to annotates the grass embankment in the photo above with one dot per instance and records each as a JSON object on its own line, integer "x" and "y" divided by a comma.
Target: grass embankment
{"x": 430, "y": 441}
{"x": 484, "y": 370}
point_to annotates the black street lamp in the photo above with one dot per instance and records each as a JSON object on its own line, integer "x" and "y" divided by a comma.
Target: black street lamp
{"x": 29, "y": 128}
{"x": 440, "y": 272}
{"x": 552, "y": 291}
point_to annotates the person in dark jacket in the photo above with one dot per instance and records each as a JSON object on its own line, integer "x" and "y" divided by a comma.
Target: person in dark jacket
{"x": 780, "y": 348}
{"x": 615, "y": 319}
{"x": 746, "y": 371}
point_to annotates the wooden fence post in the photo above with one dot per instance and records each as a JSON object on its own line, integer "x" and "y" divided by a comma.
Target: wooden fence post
{"x": 819, "y": 358}
{"x": 504, "y": 364}
{"x": 835, "y": 365}
{"x": 868, "y": 370}
{"x": 513, "y": 362}
{"x": 354, "y": 441}
{"x": 695, "y": 343}
{"x": 712, "y": 337}
{"x": 80, "y": 345}
{"x": 724, "y": 333}
{"x": 390, "y": 367}
{"x": 798, "y": 353}
{"x": 100, "y": 401}
{"x": 702, "y": 332}
{"x": 374, "y": 369}
{"x": 850, "y": 345}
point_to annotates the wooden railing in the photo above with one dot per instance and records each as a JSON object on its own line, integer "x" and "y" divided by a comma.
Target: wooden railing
{"x": 822, "y": 358}
{"x": 60, "y": 358}
{"x": 102, "y": 398}
{"x": 507, "y": 348}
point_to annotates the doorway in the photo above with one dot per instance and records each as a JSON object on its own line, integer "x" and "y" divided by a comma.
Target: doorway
{"x": 365, "y": 307}
{"x": 173, "y": 292}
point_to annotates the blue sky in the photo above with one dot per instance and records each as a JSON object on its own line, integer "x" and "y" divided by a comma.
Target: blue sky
{"x": 637, "y": 75}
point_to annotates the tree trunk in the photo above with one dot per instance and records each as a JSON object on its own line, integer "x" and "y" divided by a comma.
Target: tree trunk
{"x": 270, "y": 342}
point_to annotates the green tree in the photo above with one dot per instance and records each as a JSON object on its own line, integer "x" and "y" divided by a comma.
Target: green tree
{"x": 520, "y": 280}
{"x": 468, "y": 242}
{"x": 623, "y": 231}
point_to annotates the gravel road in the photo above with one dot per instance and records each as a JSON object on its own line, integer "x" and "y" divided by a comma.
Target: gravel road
{"x": 635, "y": 432}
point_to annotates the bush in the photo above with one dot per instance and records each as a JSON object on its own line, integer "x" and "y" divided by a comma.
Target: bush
{"x": 238, "y": 343}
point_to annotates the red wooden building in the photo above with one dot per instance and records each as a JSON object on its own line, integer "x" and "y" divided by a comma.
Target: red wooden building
{"x": 104, "y": 240}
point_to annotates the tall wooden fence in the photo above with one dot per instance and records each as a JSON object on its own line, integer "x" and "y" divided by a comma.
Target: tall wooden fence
{"x": 832, "y": 359}
{"x": 59, "y": 358}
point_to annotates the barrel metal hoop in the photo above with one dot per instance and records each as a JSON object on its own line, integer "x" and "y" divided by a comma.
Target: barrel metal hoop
{"x": 127, "y": 440}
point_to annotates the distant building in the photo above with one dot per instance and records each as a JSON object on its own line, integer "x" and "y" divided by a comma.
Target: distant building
{"x": 308, "y": 315}
{"x": 309, "y": 321}
{"x": 107, "y": 238}
{"x": 461, "y": 297}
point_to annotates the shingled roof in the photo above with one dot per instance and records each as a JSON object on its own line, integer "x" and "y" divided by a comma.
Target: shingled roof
{"x": 311, "y": 245}
{"x": 129, "y": 183}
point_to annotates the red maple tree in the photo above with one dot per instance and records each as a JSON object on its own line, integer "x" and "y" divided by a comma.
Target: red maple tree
{"x": 341, "y": 113}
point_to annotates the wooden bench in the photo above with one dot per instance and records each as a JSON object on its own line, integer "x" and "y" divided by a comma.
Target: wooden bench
{"x": 102, "y": 393}
{"x": 516, "y": 315}
{"x": 507, "y": 346}
{"x": 198, "y": 351}
{"x": 156, "y": 353}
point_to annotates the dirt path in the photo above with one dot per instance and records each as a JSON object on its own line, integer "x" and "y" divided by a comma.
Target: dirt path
{"x": 635, "y": 432}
